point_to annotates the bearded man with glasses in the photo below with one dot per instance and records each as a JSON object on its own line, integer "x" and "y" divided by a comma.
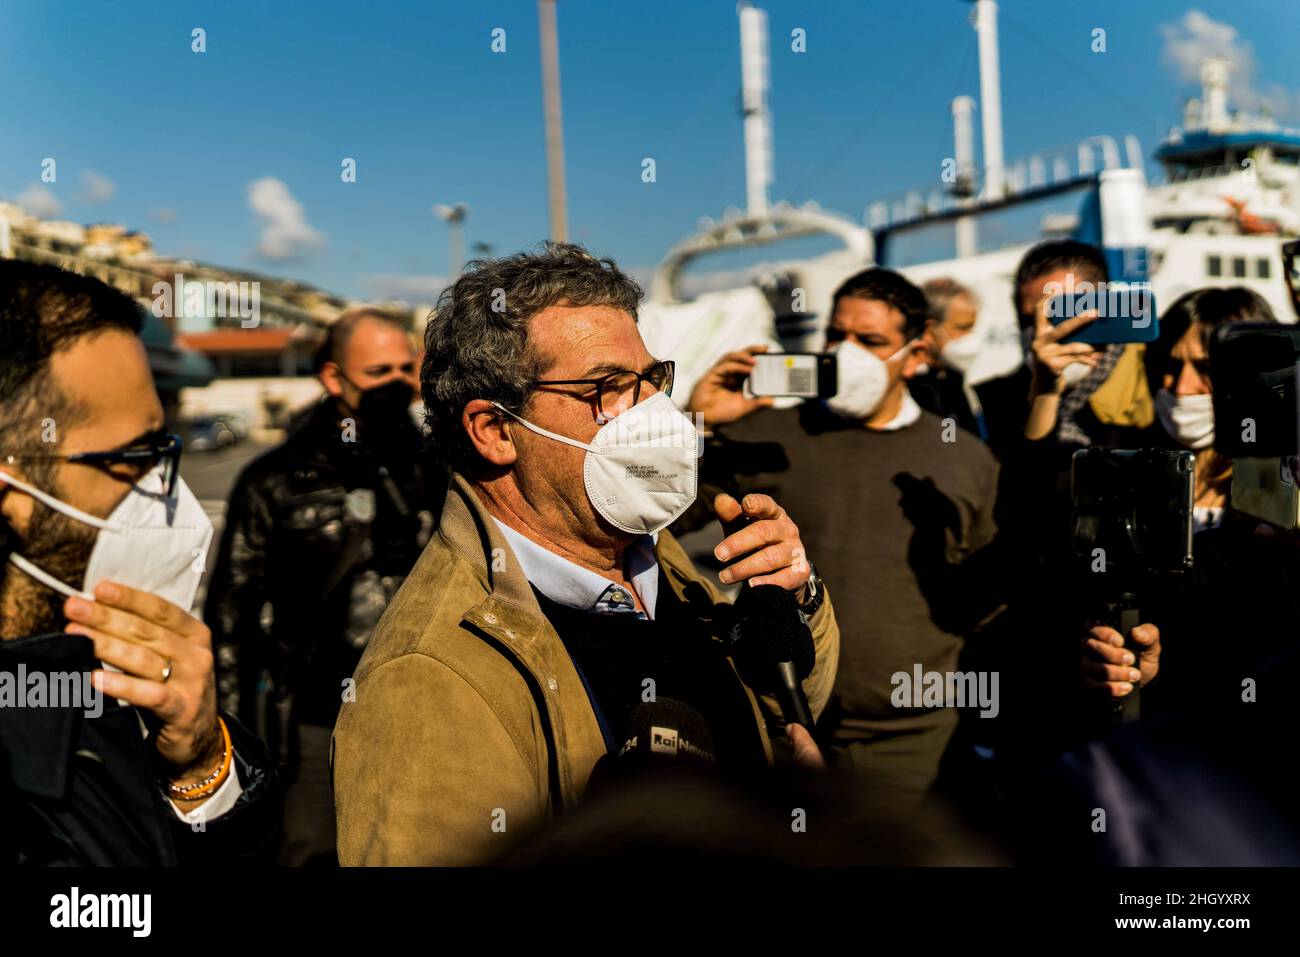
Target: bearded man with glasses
{"x": 125, "y": 759}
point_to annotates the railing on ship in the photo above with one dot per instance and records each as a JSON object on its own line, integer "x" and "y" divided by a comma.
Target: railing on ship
{"x": 1039, "y": 175}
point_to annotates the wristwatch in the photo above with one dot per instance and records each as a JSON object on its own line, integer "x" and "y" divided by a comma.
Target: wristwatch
{"x": 816, "y": 594}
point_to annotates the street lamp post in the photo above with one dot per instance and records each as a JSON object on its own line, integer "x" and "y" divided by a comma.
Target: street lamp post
{"x": 454, "y": 217}
{"x": 554, "y": 124}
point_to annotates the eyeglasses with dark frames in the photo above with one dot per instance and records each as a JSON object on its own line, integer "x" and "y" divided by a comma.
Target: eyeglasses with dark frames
{"x": 615, "y": 389}
{"x": 141, "y": 457}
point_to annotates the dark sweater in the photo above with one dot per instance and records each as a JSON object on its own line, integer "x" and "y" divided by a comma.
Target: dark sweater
{"x": 887, "y": 518}
{"x": 617, "y": 653}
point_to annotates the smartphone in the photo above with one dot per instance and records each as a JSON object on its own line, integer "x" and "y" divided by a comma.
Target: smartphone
{"x": 1254, "y": 365}
{"x": 1126, "y": 312}
{"x": 1267, "y": 489}
{"x": 808, "y": 375}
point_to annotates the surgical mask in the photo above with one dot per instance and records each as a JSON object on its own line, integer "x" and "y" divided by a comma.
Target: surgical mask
{"x": 151, "y": 542}
{"x": 641, "y": 468}
{"x": 1071, "y": 375}
{"x": 1074, "y": 373}
{"x": 960, "y": 353}
{"x": 863, "y": 379}
{"x": 1188, "y": 418}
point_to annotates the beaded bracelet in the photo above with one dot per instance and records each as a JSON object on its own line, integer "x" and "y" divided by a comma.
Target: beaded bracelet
{"x": 192, "y": 792}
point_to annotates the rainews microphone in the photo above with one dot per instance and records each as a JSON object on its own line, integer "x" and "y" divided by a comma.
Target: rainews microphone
{"x": 667, "y": 729}
{"x": 662, "y": 735}
{"x": 773, "y": 648}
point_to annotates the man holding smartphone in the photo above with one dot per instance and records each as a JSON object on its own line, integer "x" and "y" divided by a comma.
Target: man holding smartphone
{"x": 890, "y": 499}
{"x": 1081, "y": 393}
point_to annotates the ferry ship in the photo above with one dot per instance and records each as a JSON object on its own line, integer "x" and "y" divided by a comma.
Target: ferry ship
{"x": 1228, "y": 197}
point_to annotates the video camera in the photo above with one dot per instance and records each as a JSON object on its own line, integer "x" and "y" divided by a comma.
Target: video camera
{"x": 1257, "y": 422}
{"x": 1131, "y": 527}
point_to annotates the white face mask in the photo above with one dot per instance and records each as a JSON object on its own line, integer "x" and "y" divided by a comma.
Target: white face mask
{"x": 150, "y": 542}
{"x": 1188, "y": 418}
{"x": 1074, "y": 373}
{"x": 961, "y": 353}
{"x": 863, "y": 380}
{"x": 641, "y": 467}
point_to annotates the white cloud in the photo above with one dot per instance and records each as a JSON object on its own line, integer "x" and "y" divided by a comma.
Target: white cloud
{"x": 163, "y": 214}
{"x": 39, "y": 201}
{"x": 1197, "y": 37}
{"x": 97, "y": 189}
{"x": 405, "y": 288}
{"x": 285, "y": 232}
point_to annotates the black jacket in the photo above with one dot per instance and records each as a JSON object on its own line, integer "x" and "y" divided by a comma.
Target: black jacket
{"x": 77, "y": 789}
{"x": 1004, "y": 404}
{"x": 319, "y": 535}
{"x": 1204, "y": 779}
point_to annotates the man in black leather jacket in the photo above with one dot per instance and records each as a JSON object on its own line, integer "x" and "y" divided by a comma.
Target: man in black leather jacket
{"x": 86, "y": 779}
{"x": 319, "y": 535}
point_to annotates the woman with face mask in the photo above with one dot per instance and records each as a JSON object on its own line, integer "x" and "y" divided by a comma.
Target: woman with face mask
{"x": 1178, "y": 371}
{"x": 1239, "y": 584}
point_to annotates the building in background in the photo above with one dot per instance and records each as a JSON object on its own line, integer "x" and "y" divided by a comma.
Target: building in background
{"x": 222, "y": 343}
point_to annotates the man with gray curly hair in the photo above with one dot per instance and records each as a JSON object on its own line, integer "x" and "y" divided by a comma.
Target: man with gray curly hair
{"x": 551, "y": 605}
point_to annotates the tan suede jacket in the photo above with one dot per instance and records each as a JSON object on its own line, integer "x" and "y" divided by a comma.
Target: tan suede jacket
{"x": 468, "y": 723}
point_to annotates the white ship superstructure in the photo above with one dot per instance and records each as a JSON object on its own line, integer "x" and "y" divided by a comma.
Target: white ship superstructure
{"x": 1227, "y": 196}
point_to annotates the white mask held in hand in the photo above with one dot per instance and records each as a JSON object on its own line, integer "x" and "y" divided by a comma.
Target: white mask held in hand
{"x": 151, "y": 542}
{"x": 1188, "y": 418}
{"x": 641, "y": 467}
{"x": 863, "y": 379}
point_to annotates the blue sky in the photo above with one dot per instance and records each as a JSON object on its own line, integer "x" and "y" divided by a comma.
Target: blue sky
{"x": 150, "y": 134}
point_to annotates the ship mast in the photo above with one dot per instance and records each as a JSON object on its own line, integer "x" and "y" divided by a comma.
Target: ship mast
{"x": 963, "y": 148}
{"x": 758, "y": 121}
{"x": 986, "y": 26}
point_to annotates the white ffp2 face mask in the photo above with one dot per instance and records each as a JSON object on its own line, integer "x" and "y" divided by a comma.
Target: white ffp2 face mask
{"x": 641, "y": 468}
{"x": 151, "y": 542}
{"x": 1188, "y": 418}
{"x": 863, "y": 380}
{"x": 960, "y": 353}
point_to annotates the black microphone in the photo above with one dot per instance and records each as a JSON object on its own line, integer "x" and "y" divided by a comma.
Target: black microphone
{"x": 773, "y": 648}
{"x": 666, "y": 728}
{"x": 662, "y": 735}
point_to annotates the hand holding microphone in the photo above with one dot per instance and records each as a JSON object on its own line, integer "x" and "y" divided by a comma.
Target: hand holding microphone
{"x": 770, "y": 643}
{"x": 765, "y": 540}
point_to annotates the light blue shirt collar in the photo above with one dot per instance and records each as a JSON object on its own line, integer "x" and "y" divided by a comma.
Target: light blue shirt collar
{"x": 573, "y": 586}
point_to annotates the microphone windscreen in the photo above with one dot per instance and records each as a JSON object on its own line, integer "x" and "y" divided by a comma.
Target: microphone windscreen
{"x": 767, "y": 628}
{"x": 668, "y": 728}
